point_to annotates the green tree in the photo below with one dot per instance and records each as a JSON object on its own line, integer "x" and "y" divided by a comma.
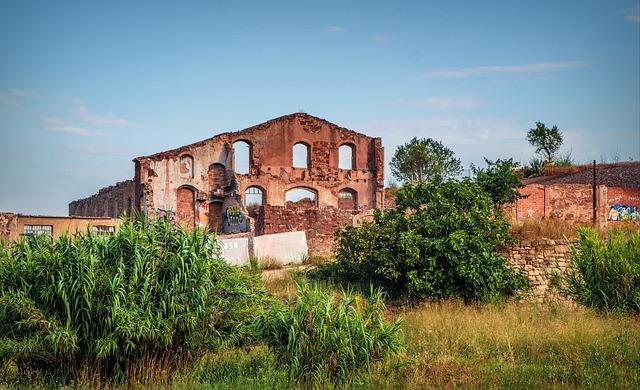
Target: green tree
{"x": 443, "y": 240}
{"x": 500, "y": 179}
{"x": 547, "y": 141}
{"x": 423, "y": 160}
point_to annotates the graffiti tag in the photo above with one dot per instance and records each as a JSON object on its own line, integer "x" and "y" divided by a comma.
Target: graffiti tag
{"x": 170, "y": 215}
{"x": 619, "y": 212}
{"x": 233, "y": 216}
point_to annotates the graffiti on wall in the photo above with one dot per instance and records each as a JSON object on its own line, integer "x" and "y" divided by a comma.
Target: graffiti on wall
{"x": 619, "y": 212}
{"x": 233, "y": 216}
{"x": 170, "y": 215}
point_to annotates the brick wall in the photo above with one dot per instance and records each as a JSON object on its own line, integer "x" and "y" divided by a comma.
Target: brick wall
{"x": 540, "y": 259}
{"x": 570, "y": 202}
{"x": 627, "y": 198}
{"x": 319, "y": 224}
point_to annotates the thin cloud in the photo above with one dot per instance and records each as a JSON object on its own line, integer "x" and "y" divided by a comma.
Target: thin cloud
{"x": 58, "y": 125}
{"x": 440, "y": 103}
{"x": 83, "y": 122}
{"x": 335, "y": 29}
{"x": 13, "y": 97}
{"x": 632, "y": 14}
{"x": 382, "y": 40}
{"x": 108, "y": 119}
{"x": 538, "y": 67}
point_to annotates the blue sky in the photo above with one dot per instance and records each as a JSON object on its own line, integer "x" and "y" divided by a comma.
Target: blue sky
{"x": 86, "y": 86}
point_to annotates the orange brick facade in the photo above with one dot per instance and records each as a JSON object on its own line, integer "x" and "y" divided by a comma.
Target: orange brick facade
{"x": 572, "y": 203}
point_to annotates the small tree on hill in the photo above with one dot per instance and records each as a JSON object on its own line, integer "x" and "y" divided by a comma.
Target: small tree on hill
{"x": 500, "y": 179}
{"x": 546, "y": 141}
{"x": 424, "y": 159}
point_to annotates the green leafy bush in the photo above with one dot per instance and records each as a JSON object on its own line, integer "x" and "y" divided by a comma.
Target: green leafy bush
{"x": 321, "y": 340}
{"x": 152, "y": 294}
{"x": 605, "y": 273}
{"x": 441, "y": 241}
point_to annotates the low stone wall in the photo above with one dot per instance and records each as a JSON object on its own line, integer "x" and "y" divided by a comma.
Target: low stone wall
{"x": 540, "y": 258}
{"x": 320, "y": 224}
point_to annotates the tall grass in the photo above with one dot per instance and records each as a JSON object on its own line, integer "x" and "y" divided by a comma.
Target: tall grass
{"x": 606, "y": 272}
{"x": 323, "y": 340}
{"x": 148, "y": 299}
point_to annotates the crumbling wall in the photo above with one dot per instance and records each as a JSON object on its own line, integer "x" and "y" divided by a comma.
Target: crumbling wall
{"x": 205, "y": 172}
{"x": 8, "y": 223}
{"x": 319, "y": 224}
{"x": 540, "y": 259}
{"x": 112, "y": 201}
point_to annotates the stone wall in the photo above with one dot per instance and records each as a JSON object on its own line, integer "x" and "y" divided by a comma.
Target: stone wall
{"x": 539, "y": 259}
{"x": 320, "y": 224}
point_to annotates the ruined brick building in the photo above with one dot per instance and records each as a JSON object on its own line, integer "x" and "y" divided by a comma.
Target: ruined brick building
{"x": 206, "y": 184}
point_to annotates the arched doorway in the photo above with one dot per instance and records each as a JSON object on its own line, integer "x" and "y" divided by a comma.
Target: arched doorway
{"x": 185, "y": 208}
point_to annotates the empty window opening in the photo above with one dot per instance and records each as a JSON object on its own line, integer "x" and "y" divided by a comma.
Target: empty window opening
{"x": 186, "y": 166}
{"x": 242, "y": 155}
{"x": 346, "y": 157}
{"x": 301, "y": 157}
{"x": 254, "y": 196}
{"x": 34, "y": 230}
{"x": 103, "y": 230}
{"x": 300, "y": 196}
{"x": 348, "y": 199}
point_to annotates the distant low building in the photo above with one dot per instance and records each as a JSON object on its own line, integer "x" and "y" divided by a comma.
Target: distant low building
{"x": 566, "y": 193}
{"x": 13, "y": 226}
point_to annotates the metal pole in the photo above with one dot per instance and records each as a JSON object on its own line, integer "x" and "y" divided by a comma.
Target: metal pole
{"x": 594, "y": 193}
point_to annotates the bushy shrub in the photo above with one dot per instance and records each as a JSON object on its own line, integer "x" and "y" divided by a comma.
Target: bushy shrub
{"x": 605, "y": 273}
{"x": 441, "y": 241}
{"x": 321, "y": 340}
{"x": 152, "y": 293}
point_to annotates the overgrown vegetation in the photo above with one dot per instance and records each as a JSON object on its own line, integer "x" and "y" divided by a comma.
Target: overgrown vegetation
{"x": 606, "y": 272}
{"x": 323, "y": 340}
{"x": 450, "y": 344}
{"x": 441, "y": 241}
{"x": 150, "y": 298}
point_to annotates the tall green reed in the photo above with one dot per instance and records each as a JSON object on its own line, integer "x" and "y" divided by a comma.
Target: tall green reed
{"x": 151, "y": 295}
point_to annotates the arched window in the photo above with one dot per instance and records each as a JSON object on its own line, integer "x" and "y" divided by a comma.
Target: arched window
{"x": 346, "y": 156}
{"x": 301, "y": 155}
{"x": 301, "y": 196}
{"x": 348, "y": 199}
{"x": 186, "y": 166}
{"x": 254, "y": 196}
{"x": 242, "y": 154}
